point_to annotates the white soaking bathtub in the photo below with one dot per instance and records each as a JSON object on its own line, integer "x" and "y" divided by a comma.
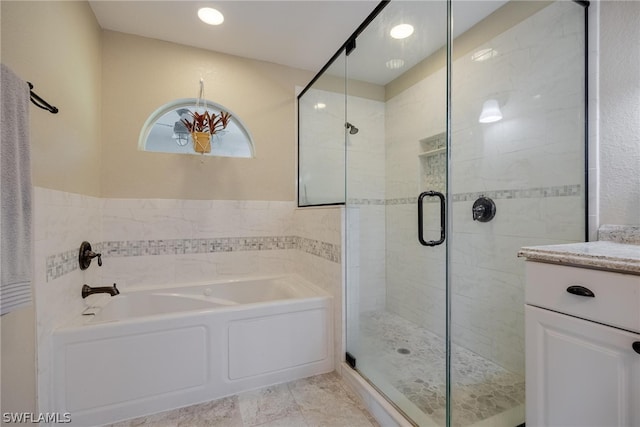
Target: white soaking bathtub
{"x": 155, "y": 349}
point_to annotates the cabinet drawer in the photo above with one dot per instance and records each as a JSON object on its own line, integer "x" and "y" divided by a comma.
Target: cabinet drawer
{"x": 616, "y": 301}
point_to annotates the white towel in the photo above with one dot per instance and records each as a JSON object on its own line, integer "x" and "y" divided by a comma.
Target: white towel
{"x": 15, "y": 192}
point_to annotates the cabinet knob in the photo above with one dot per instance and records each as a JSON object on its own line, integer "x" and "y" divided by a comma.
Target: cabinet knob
{"x": 636, "y": 346}
{"x": 580, "y": 291}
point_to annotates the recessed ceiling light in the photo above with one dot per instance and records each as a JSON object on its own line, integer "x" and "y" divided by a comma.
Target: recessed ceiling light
{"x": 401, "y": 31}
{"x": 394, "y": 64}
{"x": 210, "y": 16}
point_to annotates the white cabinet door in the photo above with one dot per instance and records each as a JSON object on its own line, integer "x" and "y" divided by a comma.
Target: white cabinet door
{"x": 580, "y": 373}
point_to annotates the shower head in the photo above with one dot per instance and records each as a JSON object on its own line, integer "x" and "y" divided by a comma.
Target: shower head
{"x": 352, "y": 129}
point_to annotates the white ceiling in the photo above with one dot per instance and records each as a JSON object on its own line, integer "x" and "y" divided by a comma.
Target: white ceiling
{"x": 301, "y": 34}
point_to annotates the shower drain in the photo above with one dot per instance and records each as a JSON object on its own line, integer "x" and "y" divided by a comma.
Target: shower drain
{"x": 404, "y": 351}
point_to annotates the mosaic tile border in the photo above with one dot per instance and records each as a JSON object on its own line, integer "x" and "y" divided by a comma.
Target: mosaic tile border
{"x": 328, "y": 251}
{"x": 527, "y": 193}
{"x": 404, "y": 201}
{"x": 367, "y": 201}
{"x": 128, "y": 248}
{"x": 66, "y": 262}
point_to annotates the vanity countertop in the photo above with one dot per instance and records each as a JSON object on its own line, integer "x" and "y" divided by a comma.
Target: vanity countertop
{"x": 604, "y": 255}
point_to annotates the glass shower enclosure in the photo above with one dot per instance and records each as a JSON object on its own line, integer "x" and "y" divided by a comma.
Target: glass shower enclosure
{"x": 451, "y": 148}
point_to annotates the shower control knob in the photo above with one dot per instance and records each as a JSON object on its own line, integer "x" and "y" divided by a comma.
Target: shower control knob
{"x": 483, "y": 210}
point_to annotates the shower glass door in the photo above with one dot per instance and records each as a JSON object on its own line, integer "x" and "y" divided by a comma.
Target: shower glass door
{"x": 517, "y": 179}
{"x": 511, "y": 172}
{"x": 396, "y": 181}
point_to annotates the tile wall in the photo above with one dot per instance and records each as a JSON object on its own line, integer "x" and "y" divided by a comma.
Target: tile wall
{"x": 366, "y": 200}
{"x": 531, "y": 164}
{"x": 321, "y": 160}
{"x": 61, "y": 222}
{"x": 365, "y": 176}
{"x": 163, "y": 242}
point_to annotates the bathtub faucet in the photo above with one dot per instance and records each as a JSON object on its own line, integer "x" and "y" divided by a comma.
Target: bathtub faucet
{"x": 88, "y": 290}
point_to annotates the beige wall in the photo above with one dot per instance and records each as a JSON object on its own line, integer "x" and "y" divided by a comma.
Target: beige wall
{"x": 18, "y": 385}
{"x": 141, "y": 74}
{"x": 56, "y": 46}
{"x": 106, "y": 84}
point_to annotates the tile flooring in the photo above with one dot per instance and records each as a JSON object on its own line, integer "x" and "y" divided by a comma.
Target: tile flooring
{"x": 323, "y": 400}
{"x": 412, "y": 361}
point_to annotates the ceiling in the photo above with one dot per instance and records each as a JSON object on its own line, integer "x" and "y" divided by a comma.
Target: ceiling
{"x": 302, "y": 34}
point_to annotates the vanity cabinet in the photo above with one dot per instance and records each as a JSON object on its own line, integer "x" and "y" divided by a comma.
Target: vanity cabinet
{"x": 582, "y": 347}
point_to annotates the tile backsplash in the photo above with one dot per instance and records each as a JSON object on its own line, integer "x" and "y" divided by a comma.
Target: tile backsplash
{"x": 627, "y": 234}
{"x": 65, "y": 262}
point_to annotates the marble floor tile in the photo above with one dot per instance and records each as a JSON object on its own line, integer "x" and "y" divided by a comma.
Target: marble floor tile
{"x": 340, "y": 417}
{"x": 267, "y": 404}
{"x": 325, "y": 401}
{"x": 288, "y": 421}
{"x": 322, "y": 401}
{"x": 220, "y": 413}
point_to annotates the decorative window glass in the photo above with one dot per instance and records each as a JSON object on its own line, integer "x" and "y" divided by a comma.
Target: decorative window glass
{"x": 165, "y": 133}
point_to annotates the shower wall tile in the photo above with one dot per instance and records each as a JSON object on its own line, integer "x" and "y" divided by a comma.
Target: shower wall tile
{"x": 322, "y": 137}
{"x": 366, "y": 249}
{"x": 323, "y": 156}
{"x": 413, "y": 115}
{"x": 365, "y": 221}
{"x": 366, "y": 150}
{"x": 531, "y": 164}
{"x": 365, "y": 157}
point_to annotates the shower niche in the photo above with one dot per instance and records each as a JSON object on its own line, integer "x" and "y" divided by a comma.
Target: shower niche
{"x": 439, "y": 330}
{"x": 432, "y": 159}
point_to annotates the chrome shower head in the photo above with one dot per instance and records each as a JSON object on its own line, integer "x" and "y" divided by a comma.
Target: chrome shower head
{"x": 352, "y": 129}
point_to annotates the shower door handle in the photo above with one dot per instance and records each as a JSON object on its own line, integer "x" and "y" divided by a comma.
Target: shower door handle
{"x": 421, "y": 221}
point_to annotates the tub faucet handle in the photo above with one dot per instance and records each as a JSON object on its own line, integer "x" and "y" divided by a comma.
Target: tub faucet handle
{"x": 92, "y": 255}
{"x": 86, "y": 255}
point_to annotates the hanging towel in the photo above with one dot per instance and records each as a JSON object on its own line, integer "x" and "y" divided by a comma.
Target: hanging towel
{"x": 15, "y": 192}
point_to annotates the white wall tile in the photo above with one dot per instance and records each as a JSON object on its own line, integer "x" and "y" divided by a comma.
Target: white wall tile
{"x": 537, "y": 79}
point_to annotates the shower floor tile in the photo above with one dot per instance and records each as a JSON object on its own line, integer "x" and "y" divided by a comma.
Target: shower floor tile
{"x": 412, "y": 360}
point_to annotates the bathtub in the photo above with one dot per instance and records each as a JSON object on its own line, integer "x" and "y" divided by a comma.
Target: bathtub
{"x": 155, "y": 349}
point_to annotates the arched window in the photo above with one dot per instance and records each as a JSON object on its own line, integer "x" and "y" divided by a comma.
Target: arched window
{"x": 165, "y": 133}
